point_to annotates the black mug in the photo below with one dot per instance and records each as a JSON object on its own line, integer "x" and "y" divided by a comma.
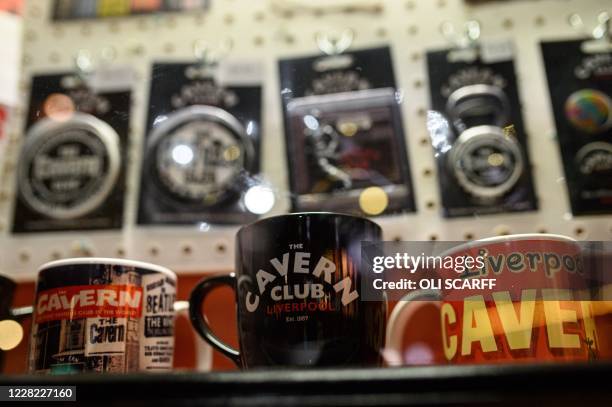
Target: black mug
{"x": 297, "y": 283}
{"x": 7, "y": 288}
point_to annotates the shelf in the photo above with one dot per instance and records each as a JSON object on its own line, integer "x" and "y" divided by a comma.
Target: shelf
{"x": 550, "y": 384}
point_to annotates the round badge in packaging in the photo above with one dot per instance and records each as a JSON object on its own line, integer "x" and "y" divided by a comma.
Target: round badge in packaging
{"x": 68, "y": 168}
{"x": 198, "y": 155}
{"x": 589, "y": 110}
{"x": 478, "y": 136}
{"x": 486, "y": 162}
{"x": 102, "y": 315}
{"x": 595, "y": 160}
{"x": 580, "y": 87}
{"x": 472, "y": 105}
{"x": 202, "y": 146}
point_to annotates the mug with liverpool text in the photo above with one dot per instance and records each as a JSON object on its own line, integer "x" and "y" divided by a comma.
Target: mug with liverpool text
{"x": 539, "y": 308}
{"x": 297, "y": 285}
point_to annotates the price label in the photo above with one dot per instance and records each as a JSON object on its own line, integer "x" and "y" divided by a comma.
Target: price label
{"x": 108, "y": 79}
{"x": 496, "y": 51}
{"x": 239, "y": 72}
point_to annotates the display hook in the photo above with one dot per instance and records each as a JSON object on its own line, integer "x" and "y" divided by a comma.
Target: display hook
{"x": 601, "y": 34}
{"x": 207, "y": 59}
{"x": 332, "y": 45}
{"x": 466, "y": 43}
{"x": 83, "y": 67}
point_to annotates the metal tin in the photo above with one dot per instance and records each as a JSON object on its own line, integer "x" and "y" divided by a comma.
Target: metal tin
{"x": 486, "y": 162}
{"x": 595, "y": 158}
{"x": 68, "y": 168}
{"x": 198, "y": 153}
{"x": 469, "y": 102}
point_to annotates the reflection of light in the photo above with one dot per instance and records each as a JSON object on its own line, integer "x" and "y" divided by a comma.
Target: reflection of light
{"x": 12, "y": 334}
{"x": 399, "y": 96}
{"x": 159, "y": 119}
{"x": 182, "y": 154}
{"x": 311, "y": 122}
{"x": 250, "y": 128}
{"x": 231, "y": 153}
{"x": 58, "y": 107}
{"x": 373, "y": 200}
{"x": 495, "y": 160}
{"x": 348, "y": 129}
{"x": 259, "y": 199}
{"x": 418, "y": 353}
{"x": 439, "y": 131}
{"x": 204, "y": 227}
{"x": 392, "y": 357}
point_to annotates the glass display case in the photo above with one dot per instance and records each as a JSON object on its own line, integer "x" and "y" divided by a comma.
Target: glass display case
{"x": 309, "y": 193}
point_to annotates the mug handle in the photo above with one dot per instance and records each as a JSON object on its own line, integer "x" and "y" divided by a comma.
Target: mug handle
{"x": 401, "y": 314}
{"x": 198, "y": 316}
{"x": 21, "y": 313}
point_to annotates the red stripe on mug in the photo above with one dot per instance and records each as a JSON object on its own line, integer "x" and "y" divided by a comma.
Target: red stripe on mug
{"x": 85, "y": 301}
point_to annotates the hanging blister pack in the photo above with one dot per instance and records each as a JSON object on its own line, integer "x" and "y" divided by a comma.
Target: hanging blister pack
{"x": 477, "y": 132}
{"x": 71, "y": 170}
{"x": 201, "y": 151}
{"x": 580, "y": 85}
{"x": 344, "y": 134}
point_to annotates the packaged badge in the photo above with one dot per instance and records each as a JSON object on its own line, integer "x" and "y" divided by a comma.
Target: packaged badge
{"x": 70, "y": 174}
{"x": 202, "y": 148}
{"x": 344, "y": 135}
{"x": 478, "y": 137}
{"x": 580, "y": 85}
